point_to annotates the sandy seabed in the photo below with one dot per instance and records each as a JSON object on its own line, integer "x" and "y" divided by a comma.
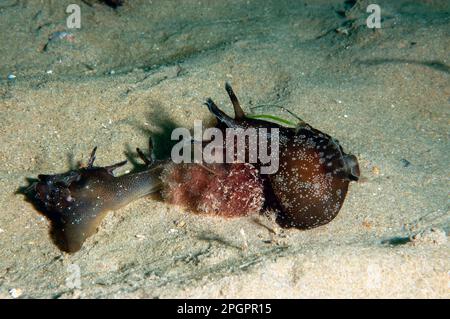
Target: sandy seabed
{"x": 146, "y": 67}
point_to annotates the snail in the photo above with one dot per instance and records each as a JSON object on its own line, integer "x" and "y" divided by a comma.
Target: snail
{"x": 306, "y": 191}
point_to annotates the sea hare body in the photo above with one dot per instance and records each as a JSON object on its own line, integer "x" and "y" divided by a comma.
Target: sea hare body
{"x": 227, "y": 190}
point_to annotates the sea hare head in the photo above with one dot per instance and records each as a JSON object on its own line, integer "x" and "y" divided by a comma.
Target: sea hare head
{"x": 75, "y": 202}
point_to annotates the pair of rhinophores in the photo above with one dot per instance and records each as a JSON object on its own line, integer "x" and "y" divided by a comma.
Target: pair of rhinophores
{"x": 307, "y": 191}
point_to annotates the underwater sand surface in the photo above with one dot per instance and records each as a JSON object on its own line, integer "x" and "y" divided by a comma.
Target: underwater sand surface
{"x": 139, "y": 71}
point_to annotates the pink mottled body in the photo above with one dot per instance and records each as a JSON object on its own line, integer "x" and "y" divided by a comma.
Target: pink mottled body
{"x": 227, "y": 190}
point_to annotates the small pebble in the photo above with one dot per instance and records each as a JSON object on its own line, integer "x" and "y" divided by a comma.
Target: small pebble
{"x": 15, "y": 292}
{"x": 342, "y": 30}
{"x": 376, "y": 170}
{"x": 140, "y": 237}
{"x": 58, "y": 35}
{"x": 405, "y": 162}
{"x": 367, "y": 224}
{"x": 180, "y": 224}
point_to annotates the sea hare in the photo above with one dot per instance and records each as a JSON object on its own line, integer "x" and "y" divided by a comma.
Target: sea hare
{"x": 307, "y": 191}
